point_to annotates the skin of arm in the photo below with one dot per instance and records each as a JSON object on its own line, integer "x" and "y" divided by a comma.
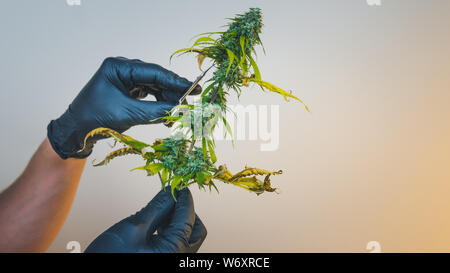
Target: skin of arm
{"x": 33, "y": 209}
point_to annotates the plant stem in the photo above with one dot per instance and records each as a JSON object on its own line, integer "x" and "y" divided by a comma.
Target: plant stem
{"x": 192, "y": 145}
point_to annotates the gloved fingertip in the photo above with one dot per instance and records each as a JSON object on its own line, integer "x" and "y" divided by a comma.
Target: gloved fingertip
{"x": 199, "y": 231}
{"x": 183, "y": 194}
{"x": 162, "y": 201}
{"x": 156, "y": 211}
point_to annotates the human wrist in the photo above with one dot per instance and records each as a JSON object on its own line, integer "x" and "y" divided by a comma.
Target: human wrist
{"x": 66, "y": 138}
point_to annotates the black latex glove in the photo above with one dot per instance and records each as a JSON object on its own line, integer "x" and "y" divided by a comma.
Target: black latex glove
{"x": 109, "y": 100}
{"x": 179, "y": 229}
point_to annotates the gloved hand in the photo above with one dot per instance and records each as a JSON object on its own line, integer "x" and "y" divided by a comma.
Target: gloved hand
{"x": 109, "y": 100}
{"x": 178, "y": 228}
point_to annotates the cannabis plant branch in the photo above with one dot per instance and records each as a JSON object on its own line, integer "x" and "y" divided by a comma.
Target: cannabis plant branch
{"x": 188, "y": 157}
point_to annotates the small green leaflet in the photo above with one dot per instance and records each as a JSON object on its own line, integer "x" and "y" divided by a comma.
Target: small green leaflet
{"x": 175, "y": 182}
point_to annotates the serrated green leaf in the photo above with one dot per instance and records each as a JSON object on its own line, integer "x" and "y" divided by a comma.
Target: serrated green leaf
{"x": 206, "y": 33}
{"x": 242, "y": 62}
{"x": 159, "y": 147}
{"x": 203, "y": 40}
{"x": 228, "y": 129}
{"x": 207, "y": 89}
{"x": 221, "y": 94}
{"x": 174, "y": 184}
{"x": 211, "y": 184}
{"x": 138, "y": 168}
{"x": 155, "y": 167}
{"x": 164, "y": 175}
{"x": 200, "y": 178}
{"x": 186, "y": 50}
{"x": 151, "y": 169}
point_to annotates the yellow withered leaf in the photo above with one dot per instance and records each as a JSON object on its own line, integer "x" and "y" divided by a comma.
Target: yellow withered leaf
{"x": 200, "y": 59}
{"x": 255, "y": 185}
{"x": 252, "y": 171}
{"x": 106, "y": 132}
{"x": 245, "y": 81}
{"x": 249, "y": 183}
{"x": 242, "y": 179}
{"x": 99, "y": 131}
{"x": 223, "y": 173}
{"x": 266, "y": 185}
{"x": 117, "y": 153}
{"x": 186, "y": 50}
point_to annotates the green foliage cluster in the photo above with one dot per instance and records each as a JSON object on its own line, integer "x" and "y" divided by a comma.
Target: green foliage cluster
{"x": 179, "y": 164}
{"x": 239, "y": 40}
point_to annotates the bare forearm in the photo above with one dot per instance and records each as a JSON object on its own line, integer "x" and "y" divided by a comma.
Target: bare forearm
{"x": 34, "y": 208}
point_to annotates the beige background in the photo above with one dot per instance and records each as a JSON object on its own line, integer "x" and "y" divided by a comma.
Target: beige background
{"x": 370, "y": 163}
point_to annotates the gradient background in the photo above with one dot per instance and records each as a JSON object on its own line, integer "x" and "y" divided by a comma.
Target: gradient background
{"x": 370, "y": 163}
